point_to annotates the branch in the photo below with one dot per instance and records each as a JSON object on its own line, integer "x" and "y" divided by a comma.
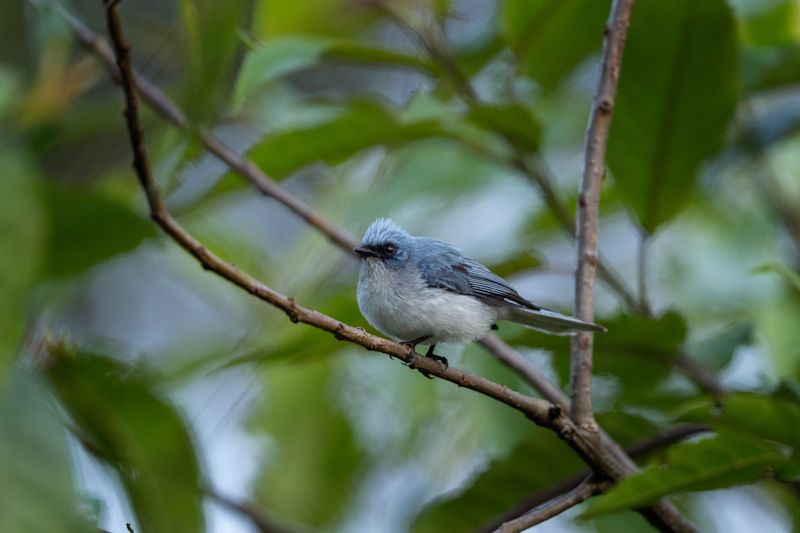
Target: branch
{"x": 541, "y": 412}
{"x": 554, "y": 507}
{"x": 262, "y": 522}
{"x": 638, "y": 450}
{"x": 168, "y": 110}
{"x": 588, "y": 211}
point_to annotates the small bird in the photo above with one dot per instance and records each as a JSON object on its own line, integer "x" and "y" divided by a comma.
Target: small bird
{"x": 420, "y": 290}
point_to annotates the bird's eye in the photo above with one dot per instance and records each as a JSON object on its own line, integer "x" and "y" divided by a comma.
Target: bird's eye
{"x": 390, "y": 249}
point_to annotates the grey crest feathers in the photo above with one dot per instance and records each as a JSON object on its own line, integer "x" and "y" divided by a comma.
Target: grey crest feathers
{"x": 440, "y": 265}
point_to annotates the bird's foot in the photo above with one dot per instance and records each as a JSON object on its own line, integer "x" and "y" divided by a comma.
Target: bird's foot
{"x": 412, "y": 364}
{"x": 413, "y": 343}
{"x": 412, "y": 353}
{"x": 435, "y": 357}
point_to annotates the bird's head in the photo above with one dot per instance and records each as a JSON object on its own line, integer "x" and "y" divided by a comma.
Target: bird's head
{"x": 387, "y": 243}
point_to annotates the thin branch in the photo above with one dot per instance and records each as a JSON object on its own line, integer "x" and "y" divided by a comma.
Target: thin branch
{"x": 168, "y": 110}
{"x": 541, "y": 412}
{"x": 555, "y": 507}
{"x": 515, "y": 360}
{"x": 641, "y": 270}
{"x": 588, "y": 211}
{"x": 640, "y": 449}
{"x": 263, "y": 522}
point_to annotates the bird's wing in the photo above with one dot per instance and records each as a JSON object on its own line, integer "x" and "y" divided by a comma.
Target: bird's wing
{"x": 442, "y": 265}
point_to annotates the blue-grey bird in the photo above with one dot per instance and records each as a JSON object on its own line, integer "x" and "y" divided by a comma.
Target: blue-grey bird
{"x": 420, "y": 290}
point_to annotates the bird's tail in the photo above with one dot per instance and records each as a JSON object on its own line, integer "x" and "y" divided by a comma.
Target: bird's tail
{"x": 551, "y": 322}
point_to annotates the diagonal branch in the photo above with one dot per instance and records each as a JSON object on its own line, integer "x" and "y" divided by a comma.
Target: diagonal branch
{"x": 540, "y": 411}
{"x": 588, "y": 211}
{"x": 263, "y": 522}
{"x": 640, "y": 449}
{"x": 555, "y": 507}
{"x": 169, "y": 111}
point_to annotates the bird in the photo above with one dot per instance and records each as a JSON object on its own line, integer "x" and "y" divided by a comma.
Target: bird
{"x": 419, "y": 290}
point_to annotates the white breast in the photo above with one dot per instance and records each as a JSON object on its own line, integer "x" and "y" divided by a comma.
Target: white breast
{"x": 401, "y": 305}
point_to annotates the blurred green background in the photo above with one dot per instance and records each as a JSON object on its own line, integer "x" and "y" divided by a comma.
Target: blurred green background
{"x": 133, "y": 384}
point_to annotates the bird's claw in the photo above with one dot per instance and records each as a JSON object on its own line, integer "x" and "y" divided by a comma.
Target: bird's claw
{"x": 412, "y": 364}
{"x": 440, "y": 359}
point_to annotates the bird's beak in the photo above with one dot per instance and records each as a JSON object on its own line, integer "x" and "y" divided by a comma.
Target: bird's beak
{"x": 365, "y": 252}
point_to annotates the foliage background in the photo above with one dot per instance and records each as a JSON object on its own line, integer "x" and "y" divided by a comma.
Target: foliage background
{"x": 180, "y": 381}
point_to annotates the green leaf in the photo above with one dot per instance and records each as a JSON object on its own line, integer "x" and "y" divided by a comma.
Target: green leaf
{"x": 88, "y": 227}
{"x": 513, "y": 121}
{"x": 361, "y": 125}
{"x": 210, "y": 29}
{"x": 534, "y": 465}
{"x": 37, "y": 493}
{"x": 677, "y": 93}
{"x": 273, "y": 59}
{"x": 720, "y": 461}
{"x": 770, "y": 23}
{"x": 637, "y": 351}
{"x": 138, "y": 433}
{"x": 283, "y": 55}
{"x": 317, "y": 463}
{"x": 516, "y": 264}
{"x": 22, "y": 231}
{"x": 552, "y": 38}
{"x": 764, "y": 416}
{"x": 272, "y": 18}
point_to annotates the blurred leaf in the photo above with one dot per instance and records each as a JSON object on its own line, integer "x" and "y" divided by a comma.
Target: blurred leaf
{"x": 718, "y": 350}
{"x": 626, "y": 428}
{"x": 771, "y": 24}
{"x": 21, "y": 239}
{"x": 789, "y": 276}
{"x": 37, "y": 493}
{"x": 764, "y": 416}
{"x": 677, "y": 93}
{"x": 519, "y": 262}
{"x": 536, "y": 464}
{"x": 720, "y": 461}
{"x": 317, "y": 463}
{"x": 273, "y": 59}
{"x": 87, "y": 227}
{"x": 552, "y": 38}
{"x": 282, "y": 55}
{"x": 138, "y": 433}
{"x": 361, "y": 125}
{"x": 211, "y": 39}
{"x": 637, "y": 351}
{"x": 776, "y": 323}
{"x": 272, "y": 18}
{"x": 513, "y": 121}
{"x": 770, "y": 67}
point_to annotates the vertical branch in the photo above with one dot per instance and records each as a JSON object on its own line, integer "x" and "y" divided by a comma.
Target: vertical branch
{"x": 641, "y": 271}
{"x": 588, "y": 209}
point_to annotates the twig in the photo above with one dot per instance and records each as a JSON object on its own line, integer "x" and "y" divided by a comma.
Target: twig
{"x": 638, "y": 450}
{"x": 168, "y": 110}
{"x": 541, "y": 412}
{"x": 263, "y": 522}
{"x": 554, "y": 507}
{"x": 641, "y": 271}
{"x": 588, "y": 211}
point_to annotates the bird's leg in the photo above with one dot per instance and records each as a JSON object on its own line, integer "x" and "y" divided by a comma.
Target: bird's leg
{"x": 412, "y": 345}
{"x": 435, "y": 357}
